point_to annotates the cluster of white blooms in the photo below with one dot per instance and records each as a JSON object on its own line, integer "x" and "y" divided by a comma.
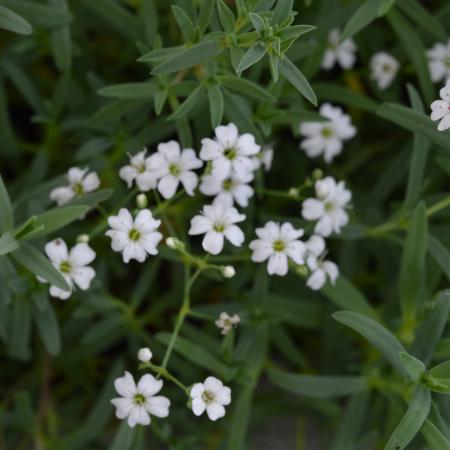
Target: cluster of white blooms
{"x": 226, "y": 322}
{"x": 339, "y": 52}
{"x": 327, "y": 137}
{"x": 384, "y": 68}
{"x": 440, "y": 109}
{"x": 80, "y": 182}
{"x": 73, "y": 266}
{"x": 438, "y": 61}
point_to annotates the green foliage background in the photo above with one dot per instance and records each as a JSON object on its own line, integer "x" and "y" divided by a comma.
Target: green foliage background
{"x": 84, "y": 82}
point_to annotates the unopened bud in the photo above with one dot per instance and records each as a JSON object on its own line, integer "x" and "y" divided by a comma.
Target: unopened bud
{"x": 145, "y": 354}
{"x": 141, "y": 201}
{"x": 83, "y": 239}
{"x": 174, "y": 243}
{"x": 317, "y": 174}
{"x": 302, "y": 270}
{"x": 228, "y": 271}
{"x": 293, "y": 192}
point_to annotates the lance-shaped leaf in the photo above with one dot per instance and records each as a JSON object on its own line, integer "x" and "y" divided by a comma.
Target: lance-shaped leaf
{"x": 240, "y": 419}
{"x": 412, "y": 421}
{"x": 6, "y": 216}
{"x": 413, "y": 366}
{"x": 252, "y": 56}
{"x": 189, "y": 104}
{"x": 215, "y": 99}
{"x": 376, "y": 334}
{"x": 11, "y": 21}
{"x": 292, "y": 73}
{"x": 435, "y": 439}
{"x": 129, "y": 90}
{"x": 362, "y": 17}
{"x": 226, "y": 16}
{"x": 184, "y": 22}
{"x": 246, "y": 87}
{"x": 47, "y": 325}
{"x": 7, "y": 243}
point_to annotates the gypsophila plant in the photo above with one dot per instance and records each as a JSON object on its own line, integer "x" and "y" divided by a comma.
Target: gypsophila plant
{"x": 224, "y": 224}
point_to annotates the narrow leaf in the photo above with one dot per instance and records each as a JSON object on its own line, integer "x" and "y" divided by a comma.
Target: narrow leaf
{"x": 7, "y": 216}
{"x": 184, "y": 22}
{"x": 189, "y": 103}
{"x": 215, "y": 99}
{"x": 435, "y": 439}
{"x": 252, "y": 56}
{"x": 413, "y": 366}
{"x": 11, "y": 21}
{"x": 246, "y": 87}
{"x": 7, "y": 243}
{"x": 129, "y": 90}
{"x": 290, "y": 71}
{"x": 362, "y": 17}
{"x": 226, "y": 16}
{"x": 47, "y": 325}
{"x": 281, "y": 11}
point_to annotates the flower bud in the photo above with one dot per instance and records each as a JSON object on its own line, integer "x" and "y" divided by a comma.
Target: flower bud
{"x": 317, "y": 174}
{"x": 141, "y": 201}
{"x": 174, "y": 243}
{"x": 302, "y": 270}
{"x": 228, "y": 271}
{"x": 145, "y": 354}
{"x": 321, "y": 189}
{"x": 83, "y": 239}
{"x": 293, "y": 192}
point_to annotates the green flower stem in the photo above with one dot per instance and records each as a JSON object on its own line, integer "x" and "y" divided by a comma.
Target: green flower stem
{"x": 275, "y": 193}
{"x": 403, "y": 223}
{"x": 164, "y": 373}
{"x": 161, "y": 207}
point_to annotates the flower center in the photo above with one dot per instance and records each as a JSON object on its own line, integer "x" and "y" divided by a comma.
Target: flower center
{"x": 327, "y": 132}
{"x": 174, "y": 170}
{"x": 78, "y": 189}
{"x": 386, "y": 68}
{"x": 328, "y": 206}
{"x": 208, "y": 397}
{"x": 139, "y": 399}
{"x": 219, "y": 227}
{"x": 134, "y": 234}
{"x": 140, "y": 168}
{"x": 278, "y": 245}
{"x": 230, "y": 153}
{"x": 227, "y": 185}
{"x": 65, "y": 267}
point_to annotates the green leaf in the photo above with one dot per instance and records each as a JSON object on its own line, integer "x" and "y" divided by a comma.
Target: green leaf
{"x": 345, "y": 295}
{"x": 124, "y": 437}
{"x": 61, "y": 40}
{"x": 317, "y": 386}
{"x": 413, "y": 366}
{"x": 196, "y": 54}
{"x": 252, "y": 56}
{"x": 376, "y": 334}
{"x": 226, "y": 17}
{"x": 7, "y": 243}
{"x": 246, "y": 87}
{"x": 434, "y": 437}
{"x": 30, "y": 258}
{"x": 281, "y": 11}
{"x": 412, "y": 268}
{"x": 440, "y": 254}
{"x": 194, "y": 98}
{"x": 414, "y": 121}
{"x": 415, "y": 50}
{"x": 215, "y": 99}
{"x": 57, "y": 218}
{"x": 431, "y": 329}
{"x": 90, "y": 200}
{"x": 418, "y": 157}
{"x": 362, "y": 17}
{"x": 258, "y": 22}
{"x": 129, "y": 90}
{"x": 184, "y": 22}
{"x": 205, "y": 14}
{"x": 412, "y": 421}
{"x": 385, "y": 6}
{"x": 290, "y": 71}
{"x": 441, "y": 370}
{"x": 197, "y": 355}
{"x": 7, "y": 216}
{"x": 240, "y": 418}
{"x": 20, "y": 329}
{"x": 47, "y": 325}
{"x": 11, "y": 21}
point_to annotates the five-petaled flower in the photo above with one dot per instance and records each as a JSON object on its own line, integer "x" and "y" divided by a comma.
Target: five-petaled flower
{"x": 140, "y": 171}
{"x": 212, "y": 396}
{"x": 439, "y": 61}
{"x": 229, "y": 151}
{"x": 80, "y": 182}
{"x": 137, "y": 402}
{"x": 440, "y": 109}
{"x": 329, "y": 208}
{"x": 226, "y": 322}
{"x": 327, "y": 137}
{"x": 73, "y": 266}
{"x": 341, "y": 52}
{"x": 384, "y": 68}
{"x": 277, "y": 243}
{"x": 137, "y": 238}
{"x": 217, "y": 222}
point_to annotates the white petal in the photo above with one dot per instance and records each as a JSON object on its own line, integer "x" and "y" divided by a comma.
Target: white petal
{"x": 158, "y": 406}
{"x": 59, "y": 293}
{"x": 134, "y": 251}
{"x": 75, "y": 174}
{"x": 91, "y": 182}
{"x": 170, "y": 150}
{"x": 199, "y": 225}
{"x": 119, "y": 239}
{"x": 144, "y": 221}
{"x": 82, "y": 276}
{"x": 57, "y": 251}
{"x": 81, "y": 255}
{"x": 235, "y": 235}
{"x": 62, "y": 195}
{"x": 213, "y": 242}
{"x": 444, "y": 124}
{"x": 324, "y": 226}
{"x": 224, "y": 396}
{"x": 167, "y": 186}
{"x": 227, "y": 135}
{"x": 147, "y": 180}
{"x": 247, "y": 146}
{"x": 197, "y": 390}
{"x": 213, "y": 384}
{"x": 221, "y": 168}
{"x": 125, "y": 386}
{"x": 215, "y": 411}
{"x": 316, "y": 280}
{"x": 150, "y": 242}
{"x": 312, "y": 209}
{"x": 128, "y": 174}
{"x": 261, "y": 250}
{"x": 331, "y": 269}
{"x": 198, "y": 406}
{"x": 148, "y": 385}
{"x": 278, "y": 264}
{"x": 296, "y": 251}
{"x": 210, "y": 150}
{"x": 123, "y": 221}
{"x": 189, "y": 181}
{"x": 123, "y": 406}
{"x": 138, "y": 415}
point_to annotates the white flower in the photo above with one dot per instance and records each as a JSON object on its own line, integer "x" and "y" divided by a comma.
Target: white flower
{"x": 211, "y": 395}
{"x": 263, "y": 158}
{"x": 329, "y": 206}
{"x": 437, "y": 56}
{"x": 228, "y": 271}
{"x": 232, "y": 189}
{"x": 337, "y": 51}
{"x": 73, "y": 266}
{"x": 141, "y": 171}
{"x": 134, "y": 238}
{"x": 319, "y": 269}
{"x": 226, "y": 322}
{"x": 217, "y": 222}
{"x": 278, "y": 243}
{"x": 80, "y": 182}
{"x": 440, "y": 109}
{"x": 145, "y": 354}
{"x": 229, "y": 151}
{"x": 175, "y": 166}
{"x": 327, "y": 137}
{"x": 384, "y": 68}
{"x": 136, "y": 403}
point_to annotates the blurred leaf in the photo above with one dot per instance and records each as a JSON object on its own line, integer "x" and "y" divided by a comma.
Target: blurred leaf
{"x": 376, "y": 334}
{"x": 363, "y": 16}
{"x": 30, "y": 258}
{"x": 20, "y": 329}
{"x": 434, "y": 437}
{"x": 412, "y": 268}
{"x": 385, "y": 6}
{"x": 412, "y": 421}
{"x": 290, "y": 71}
{"x": 184, "y": 22}
{"x": 47, "y": 325}
{"x": 123, "y": 438}
{"x": 215, "y": 99}
{"x": 240, "y": 418}
{"x": 281, "y": 11}
{"x": 413, "y": 366}
{"x": 245, "y": 87}
{"x": 205, "y": 14}
{"x": 226, "y": 16}
{"x": 61, "y": 40}
{"x": 11, "y": 21}
{"x": 440, "y": 254}
{"x": 441, "y": 370}
{"x": 129, "y": 90}
{"x": 319, "y": 386}
{"x": 7, "y": 216}
{"x": 7, "y": 243}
